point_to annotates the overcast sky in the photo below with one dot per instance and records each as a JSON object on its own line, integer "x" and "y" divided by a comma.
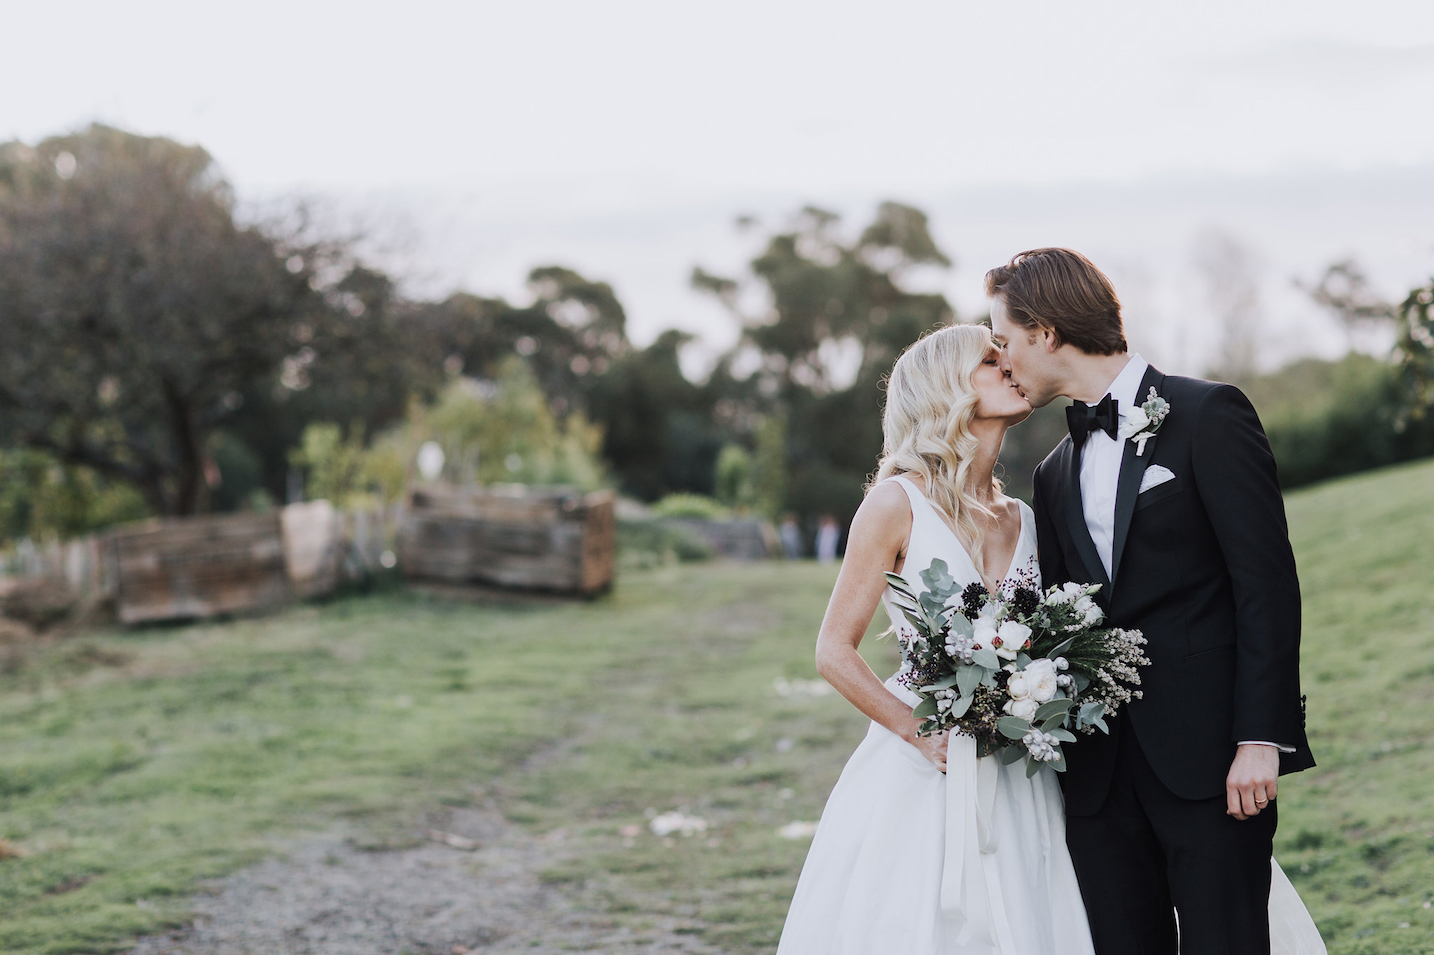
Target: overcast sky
{"x": 622, "y": 138}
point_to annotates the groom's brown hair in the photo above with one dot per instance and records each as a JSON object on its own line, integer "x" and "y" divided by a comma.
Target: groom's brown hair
{"x": 1061, "y": 290}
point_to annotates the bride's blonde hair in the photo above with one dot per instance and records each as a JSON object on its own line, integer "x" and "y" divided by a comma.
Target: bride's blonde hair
{"x": 926, "y": 427}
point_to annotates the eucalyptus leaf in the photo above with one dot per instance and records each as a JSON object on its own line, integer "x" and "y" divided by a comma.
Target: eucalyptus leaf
{"x": 968, "y": 678}
{"x": 959, "y": 708}
{"x": 959, "y": 624}
{"x": 1059, "y": 705}
{"x": 1082, "y": 682}
{"x": 1033, "y": 766}
{"x": 1060, "y": 648}
{"x": 1100, "y": 725}
{"x": 1059, "y": 763}
{"x": 1023, "y": 660}
{"x": 1090, "y": 712}
{"x": 943, "y": 684}
{"x": 927, "y": 707}
{"x": 987, "y": 658}
{"x": 934, "y": 575}
{"x": 1012, "y": 727}
{"x": 1012, "y": 753}
{"x": 1053, "y": 722}
{"x": 1065, "y": 736}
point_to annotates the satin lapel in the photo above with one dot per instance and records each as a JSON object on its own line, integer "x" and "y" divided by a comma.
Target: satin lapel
{"x": 1075, "y": 518}
{"x": 1132, "y": 472}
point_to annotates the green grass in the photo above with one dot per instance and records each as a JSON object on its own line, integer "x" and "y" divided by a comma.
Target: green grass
{"x": 134, "y": 764}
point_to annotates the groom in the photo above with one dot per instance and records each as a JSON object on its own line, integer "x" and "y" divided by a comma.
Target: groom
{"x": 1179, "y": 518}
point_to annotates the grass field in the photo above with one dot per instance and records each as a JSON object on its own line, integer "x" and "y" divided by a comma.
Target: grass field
{"x": 133, "y": 764}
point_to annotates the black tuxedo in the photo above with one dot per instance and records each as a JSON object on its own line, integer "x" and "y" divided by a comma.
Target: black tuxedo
{"x": 1202, "y": 565}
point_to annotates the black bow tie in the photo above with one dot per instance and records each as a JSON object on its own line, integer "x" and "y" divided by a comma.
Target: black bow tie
{"x": 1082, "y": 419}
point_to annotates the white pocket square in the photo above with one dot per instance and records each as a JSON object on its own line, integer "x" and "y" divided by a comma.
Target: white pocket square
{"x": 1155, "y": 476}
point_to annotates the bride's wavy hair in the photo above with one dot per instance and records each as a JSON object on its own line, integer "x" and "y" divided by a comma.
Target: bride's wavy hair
{"x": 926, "y": 426}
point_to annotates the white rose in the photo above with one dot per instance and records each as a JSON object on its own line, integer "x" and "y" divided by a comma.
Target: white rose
{"x": 1041, "y": 678}
{"x": 983, "y": 631}
{"x": 1014, "y": 636}
{"x": 1021, "y": 709}
{"x": 1018, "y": 686}
{"x": 1066, "y": 594}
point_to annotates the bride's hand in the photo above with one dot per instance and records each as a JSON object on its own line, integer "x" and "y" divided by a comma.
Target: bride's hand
{"x": 933, "y": 747}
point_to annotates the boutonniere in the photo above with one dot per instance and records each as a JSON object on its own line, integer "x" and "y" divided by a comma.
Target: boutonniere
{"x": 1142, "y": 423}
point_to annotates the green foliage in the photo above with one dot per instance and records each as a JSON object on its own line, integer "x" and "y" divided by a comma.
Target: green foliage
{"x": 1326, "y": 419}
{"x": 691, "y": 505}
{"x": 769, "y": 477}
{"x": 334, "y": 466}
{"x": 839, "y": 315}
{"x": 644, "y": 544}
{"x": 41, "y": 498}
{"x": 503, "y": 430}
{"x": 733, "y": 478}
{"x": 659, "y": 432}
{"x": 137, "y": 309}
{"x": 1414, "y": 352}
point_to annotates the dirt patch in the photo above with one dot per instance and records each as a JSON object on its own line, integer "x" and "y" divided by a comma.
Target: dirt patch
{"x": 482, "y": 890}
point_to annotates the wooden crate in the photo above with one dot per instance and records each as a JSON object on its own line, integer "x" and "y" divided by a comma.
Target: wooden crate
{"x": 199, "y": 566}
{"x": 537, "y": 539}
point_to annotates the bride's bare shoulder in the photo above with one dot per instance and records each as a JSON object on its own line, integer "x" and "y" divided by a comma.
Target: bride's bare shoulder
{"x": 885, "y": 506}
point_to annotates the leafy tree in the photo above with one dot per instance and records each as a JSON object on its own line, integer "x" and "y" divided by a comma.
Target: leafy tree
{"x": 137, "y": 309}
{"x": 1414, "y": 353}
{"x": 838, "y": 314}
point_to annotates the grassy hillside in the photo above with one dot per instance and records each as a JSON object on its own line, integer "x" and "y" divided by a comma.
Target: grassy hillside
{"x": 133, "y": 764}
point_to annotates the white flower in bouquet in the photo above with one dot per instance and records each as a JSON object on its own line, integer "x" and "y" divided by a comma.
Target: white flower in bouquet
{"x": 1069, "y": 592}
{"x": 983, "y": 628}
{"x": 1024, "y": 709}
{"x": 1090, "y": 611}
{"x": 1018, "y": 686}
{"x": 1012, "y": 637}
{"x": 1042, "y": 679}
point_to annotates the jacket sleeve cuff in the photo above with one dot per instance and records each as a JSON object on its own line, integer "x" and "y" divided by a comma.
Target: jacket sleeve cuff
{"x": 1260, "y": 742}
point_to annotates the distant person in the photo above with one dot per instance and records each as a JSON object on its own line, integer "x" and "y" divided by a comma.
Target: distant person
{"x": 828, "y": 537}
{"x": 791, "y": 534}
{"x": 927, "y": 848}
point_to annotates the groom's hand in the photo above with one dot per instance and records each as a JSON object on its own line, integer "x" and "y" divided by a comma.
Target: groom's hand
{"x": 1253, "y": 781}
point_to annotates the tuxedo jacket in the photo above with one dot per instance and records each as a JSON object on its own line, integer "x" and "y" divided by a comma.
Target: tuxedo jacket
{"x": 1202, "y": 565}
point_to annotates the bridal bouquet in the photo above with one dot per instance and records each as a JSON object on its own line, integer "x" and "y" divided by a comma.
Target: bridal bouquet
{"x": 1023, "y": 667}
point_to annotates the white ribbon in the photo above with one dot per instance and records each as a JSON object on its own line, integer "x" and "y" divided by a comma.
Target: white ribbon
{"x": 968, "y": 896}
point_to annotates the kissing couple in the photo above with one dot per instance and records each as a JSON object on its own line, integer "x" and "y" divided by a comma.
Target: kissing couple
{"x": 1157, "y": 838}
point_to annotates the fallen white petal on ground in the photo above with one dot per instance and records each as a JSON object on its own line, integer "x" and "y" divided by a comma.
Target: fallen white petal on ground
{"x": 670, "y": 822}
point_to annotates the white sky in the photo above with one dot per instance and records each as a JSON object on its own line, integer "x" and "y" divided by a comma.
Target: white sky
{"x": 622, "y": 138}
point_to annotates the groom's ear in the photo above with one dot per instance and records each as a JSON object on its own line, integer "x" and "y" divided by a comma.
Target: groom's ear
{"x": 1050, "y": 340}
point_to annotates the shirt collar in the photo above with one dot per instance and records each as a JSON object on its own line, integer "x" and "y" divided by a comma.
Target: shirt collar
{"x": 1126, "y": 387}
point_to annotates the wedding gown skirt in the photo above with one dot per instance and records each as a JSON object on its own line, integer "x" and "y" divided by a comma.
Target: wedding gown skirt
{"x": 905, "y": 860}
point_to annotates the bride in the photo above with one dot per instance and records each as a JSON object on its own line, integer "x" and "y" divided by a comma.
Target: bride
{"x": 923, "y": 848}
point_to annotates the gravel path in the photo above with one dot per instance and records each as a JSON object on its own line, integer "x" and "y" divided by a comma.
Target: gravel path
{"x": 323, "y": 896}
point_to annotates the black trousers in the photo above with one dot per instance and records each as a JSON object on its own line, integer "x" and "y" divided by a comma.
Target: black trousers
{"x": 1148, "y": 854}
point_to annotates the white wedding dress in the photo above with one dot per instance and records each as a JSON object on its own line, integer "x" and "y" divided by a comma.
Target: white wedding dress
{"x": 909, "y": 861}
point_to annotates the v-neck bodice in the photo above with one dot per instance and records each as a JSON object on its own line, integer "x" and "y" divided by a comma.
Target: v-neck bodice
{"x": 933, "y": 539}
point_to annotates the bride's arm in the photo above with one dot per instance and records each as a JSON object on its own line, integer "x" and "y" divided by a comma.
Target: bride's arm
{"x": 879, "y": 533}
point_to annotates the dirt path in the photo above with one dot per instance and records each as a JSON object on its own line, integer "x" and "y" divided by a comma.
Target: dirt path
{"x": 324, "y": 896}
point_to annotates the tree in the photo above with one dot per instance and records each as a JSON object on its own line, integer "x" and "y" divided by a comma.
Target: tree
{"x": 837, "y": 316}
{"x": 1414, "y": 354}
{"x": 138, "y": 311}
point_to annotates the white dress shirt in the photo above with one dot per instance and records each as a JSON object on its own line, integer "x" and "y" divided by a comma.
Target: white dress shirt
{"x": 1100, "y": 475}
{"x": 1100, "y": 464}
